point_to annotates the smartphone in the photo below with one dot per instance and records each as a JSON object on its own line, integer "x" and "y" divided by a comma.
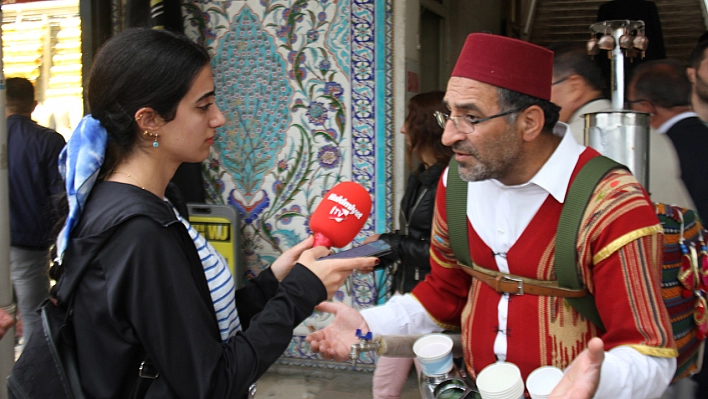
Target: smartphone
{"x": 375, "y": 249}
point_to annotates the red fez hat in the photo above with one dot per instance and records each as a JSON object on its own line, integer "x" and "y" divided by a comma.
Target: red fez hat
{"x": 508, "y": 63}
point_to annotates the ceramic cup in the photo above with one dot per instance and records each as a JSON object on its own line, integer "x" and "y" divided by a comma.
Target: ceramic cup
{"x": 434, "y": 352}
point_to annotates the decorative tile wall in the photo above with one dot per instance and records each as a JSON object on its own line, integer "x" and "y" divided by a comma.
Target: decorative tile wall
{"x": 305, "y": 86}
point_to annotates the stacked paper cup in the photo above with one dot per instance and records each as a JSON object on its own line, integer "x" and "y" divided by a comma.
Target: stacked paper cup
{"x": 434, "y": 353}
{"x": 541, "y": 381}
{"x": 501, "y": 380}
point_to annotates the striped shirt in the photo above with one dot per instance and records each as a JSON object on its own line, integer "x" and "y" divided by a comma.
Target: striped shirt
{"x": 221, "y": 283}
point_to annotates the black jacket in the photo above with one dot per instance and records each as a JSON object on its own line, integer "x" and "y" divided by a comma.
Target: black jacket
{"x": 411, "y": 244}
{"x": 34, "y": 181}
{"x": 690, "y": 139}
{"x": 145, "y": 293}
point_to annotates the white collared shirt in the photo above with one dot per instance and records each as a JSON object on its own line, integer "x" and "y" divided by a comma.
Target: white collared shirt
{"x": 674, "y": 120}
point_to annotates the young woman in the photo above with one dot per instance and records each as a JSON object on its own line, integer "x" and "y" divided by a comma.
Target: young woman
{"x": 411, "y": 244}
{"x": 155, "y": 296}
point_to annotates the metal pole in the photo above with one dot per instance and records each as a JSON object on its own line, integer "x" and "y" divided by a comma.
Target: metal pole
{"x": 7, "y": 344}
{"x": 617, "y": 71}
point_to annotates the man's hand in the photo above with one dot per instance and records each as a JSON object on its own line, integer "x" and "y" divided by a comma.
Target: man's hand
{"x": 582, "y": 377}
{"x": 335, "y": 341}
{"x": 6, "y": 321}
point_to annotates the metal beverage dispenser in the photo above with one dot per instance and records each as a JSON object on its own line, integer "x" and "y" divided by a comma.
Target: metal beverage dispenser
{"x": 620, "y": 134}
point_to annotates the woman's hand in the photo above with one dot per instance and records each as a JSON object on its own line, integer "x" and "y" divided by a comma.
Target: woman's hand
{"x": 371, "y": 238}
{"x": 285, "y": 262}
{"x": 332, "y": 272}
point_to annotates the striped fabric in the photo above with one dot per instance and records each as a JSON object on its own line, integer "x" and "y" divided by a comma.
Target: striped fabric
{"x": 221, "y": 283}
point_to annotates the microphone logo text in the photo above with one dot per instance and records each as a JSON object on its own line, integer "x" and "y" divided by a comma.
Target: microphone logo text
{"x": 343, "y": 209}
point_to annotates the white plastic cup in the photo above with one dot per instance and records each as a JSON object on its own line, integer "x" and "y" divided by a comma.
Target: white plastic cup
{"x": 434, "y": 352}
{"x": 541, "y": 382}
{"x": 501, "y": 380}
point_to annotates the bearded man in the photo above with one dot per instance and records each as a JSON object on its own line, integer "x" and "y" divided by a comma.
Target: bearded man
{"x": 518, "y": 163}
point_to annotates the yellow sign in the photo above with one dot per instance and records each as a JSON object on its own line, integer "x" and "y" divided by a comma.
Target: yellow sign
{"x": 220, "y": 233}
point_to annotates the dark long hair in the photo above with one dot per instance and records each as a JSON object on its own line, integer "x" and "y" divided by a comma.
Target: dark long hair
{"x": 136, "y": 68}
{"x": 423, "y": 130}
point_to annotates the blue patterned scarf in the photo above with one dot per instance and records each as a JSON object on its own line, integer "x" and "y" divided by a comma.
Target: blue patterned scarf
{"x": 79, "y": 163}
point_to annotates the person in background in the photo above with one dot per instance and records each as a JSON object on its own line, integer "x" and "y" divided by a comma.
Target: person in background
{"x": 6, "y": 322}
{"x": 697, "y": 72}
{"x": 577, "y": 87}
{"x": 409, "y": 258}
{"x": 662, "y": 89}
{"x": 155, "y": 296}
{"x": 518, "y": 163}
{"x": 35, "y": 186}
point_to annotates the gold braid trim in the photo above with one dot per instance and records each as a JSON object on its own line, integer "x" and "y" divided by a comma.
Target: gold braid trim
{"x": 445, "y": 326}
{"x": 615, "y": 245}
{"x": 654, "y": 351}
{"x": 444, "y": 263}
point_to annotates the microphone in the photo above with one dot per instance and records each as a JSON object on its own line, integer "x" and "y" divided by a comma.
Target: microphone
{"x": 340, "y": 215}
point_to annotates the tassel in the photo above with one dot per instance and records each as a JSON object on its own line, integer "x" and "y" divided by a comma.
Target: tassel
{"x": 703, "y": 264}
{"x": 701, "y": 318}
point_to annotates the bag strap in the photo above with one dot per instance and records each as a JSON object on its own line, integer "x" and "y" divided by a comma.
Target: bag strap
{"x": 145, "y": 377}
{"x": 456, "y": 204}
{"x": 566, "y": 255}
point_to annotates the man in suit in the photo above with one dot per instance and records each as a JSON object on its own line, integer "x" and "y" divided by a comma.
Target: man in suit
{"x": 662, "y": 89}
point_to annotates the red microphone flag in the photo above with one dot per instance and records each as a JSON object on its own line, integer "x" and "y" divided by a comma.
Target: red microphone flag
{"x": 340, "y": 215}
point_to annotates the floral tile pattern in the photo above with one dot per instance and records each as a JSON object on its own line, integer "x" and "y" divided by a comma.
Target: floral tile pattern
{"x": 305, "y": 86}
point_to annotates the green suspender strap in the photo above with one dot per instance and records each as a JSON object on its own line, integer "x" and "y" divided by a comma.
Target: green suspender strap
{"x": 456, "y": 203}
{"x": 566, "y": 255}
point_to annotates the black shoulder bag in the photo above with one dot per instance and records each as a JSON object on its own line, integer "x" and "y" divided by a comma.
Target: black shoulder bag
{"x": 48, "y": 367}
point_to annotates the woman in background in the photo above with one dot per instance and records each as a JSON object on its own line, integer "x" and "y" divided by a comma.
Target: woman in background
{"x": 409, "y": 259}
{"x": 155, "y": 296}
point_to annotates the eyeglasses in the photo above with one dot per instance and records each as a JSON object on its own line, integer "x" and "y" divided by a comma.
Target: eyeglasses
{"x": 559, "y": 81}
{"x": 466, "y": 123}
{"x": 630, "y": 102}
